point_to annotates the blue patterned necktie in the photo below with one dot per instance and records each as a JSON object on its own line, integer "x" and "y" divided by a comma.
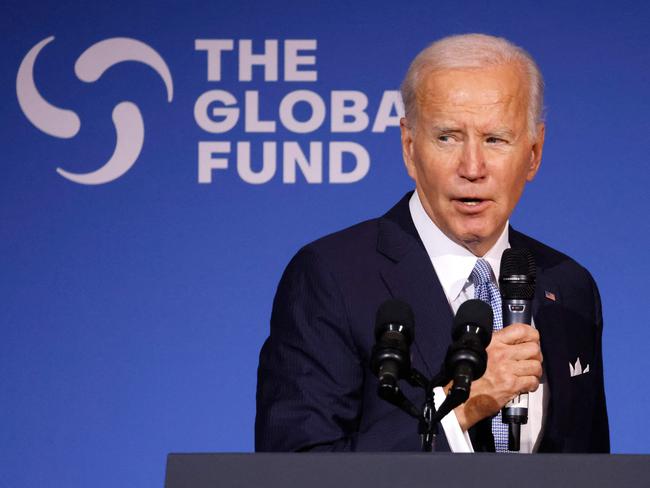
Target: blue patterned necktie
{"x": 485, "y": 289}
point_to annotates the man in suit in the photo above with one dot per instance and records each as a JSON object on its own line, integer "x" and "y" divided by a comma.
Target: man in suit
{"x": 472, "y": 137}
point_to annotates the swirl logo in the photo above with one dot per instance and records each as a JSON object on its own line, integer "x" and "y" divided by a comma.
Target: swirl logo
{"x": 65, "y": 124}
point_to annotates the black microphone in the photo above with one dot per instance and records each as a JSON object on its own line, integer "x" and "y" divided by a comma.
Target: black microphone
{"x": 466, "y": 358}
{"x": 391, "y": 358}
{"x": 517, "y": 286}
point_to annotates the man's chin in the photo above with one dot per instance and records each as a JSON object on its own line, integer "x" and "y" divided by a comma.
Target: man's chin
{"x": 475, "y": 229}
{"x": 477, "y": 242}
{"x": 472, "y": 235}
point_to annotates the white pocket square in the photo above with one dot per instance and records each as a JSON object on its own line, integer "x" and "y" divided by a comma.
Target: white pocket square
{"x": 576, "y": 369}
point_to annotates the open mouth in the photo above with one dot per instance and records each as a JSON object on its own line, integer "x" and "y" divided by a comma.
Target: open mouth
{"x": 470, "y": 201}
{"x": 471, "y": 205}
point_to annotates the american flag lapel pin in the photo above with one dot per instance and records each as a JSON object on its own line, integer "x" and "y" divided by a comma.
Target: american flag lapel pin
{"x": 549, "y": 295}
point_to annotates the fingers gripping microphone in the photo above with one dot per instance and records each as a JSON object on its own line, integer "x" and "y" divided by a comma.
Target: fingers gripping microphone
{"x": 517, "y": 285}
{"x": 391, "y": 358}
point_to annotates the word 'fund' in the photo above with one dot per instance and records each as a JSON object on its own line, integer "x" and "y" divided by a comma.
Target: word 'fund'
{"x": 298, "y": 55}
{"x": 342, "y": 168}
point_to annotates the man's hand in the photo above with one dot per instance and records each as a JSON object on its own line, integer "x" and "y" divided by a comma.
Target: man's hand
{"x": 514, "y": 366}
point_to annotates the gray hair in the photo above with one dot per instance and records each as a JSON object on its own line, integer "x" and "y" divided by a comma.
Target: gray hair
{"x": 474, "y": 51}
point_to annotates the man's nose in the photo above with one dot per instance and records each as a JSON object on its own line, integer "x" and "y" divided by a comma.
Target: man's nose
{"x": 472, "y": 161}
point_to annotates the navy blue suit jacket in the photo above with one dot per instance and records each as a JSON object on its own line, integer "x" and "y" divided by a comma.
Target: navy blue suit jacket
{"x": 315, "y": 388}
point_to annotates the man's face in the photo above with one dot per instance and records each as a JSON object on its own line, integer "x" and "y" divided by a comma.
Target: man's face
{"x": 470, "y": 151}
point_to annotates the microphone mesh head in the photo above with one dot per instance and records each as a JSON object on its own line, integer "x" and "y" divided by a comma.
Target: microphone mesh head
{"x": 474, "y": 312}
{"x": 518, "y": 262}
{"x": 395, "y": 312}
{"x": 517, "y": 275}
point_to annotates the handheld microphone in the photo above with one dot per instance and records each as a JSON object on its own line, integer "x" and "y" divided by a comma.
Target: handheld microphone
{"x": 466, "y": 358}
{"x": 391, "y": 359}
{"x": 517, "y": 286}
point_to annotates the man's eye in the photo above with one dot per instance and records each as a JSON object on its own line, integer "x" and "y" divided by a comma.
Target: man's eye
{"x": 495, "y": 140}
{"x": 445, "y": 138}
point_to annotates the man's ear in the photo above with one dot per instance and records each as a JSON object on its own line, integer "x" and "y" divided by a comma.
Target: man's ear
{"x": 536, "y": 152}
{"x": 407, "y": 146}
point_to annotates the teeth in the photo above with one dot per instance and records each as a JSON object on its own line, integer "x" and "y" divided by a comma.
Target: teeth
{"x": 472, "y": 203}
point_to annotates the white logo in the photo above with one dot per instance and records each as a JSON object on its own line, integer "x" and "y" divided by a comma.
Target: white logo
{"x": 577, "y": 369}
{"x": 65, "y": 124}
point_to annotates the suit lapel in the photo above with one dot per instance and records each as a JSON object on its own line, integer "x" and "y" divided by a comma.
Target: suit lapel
{"x": 409, "y": 276}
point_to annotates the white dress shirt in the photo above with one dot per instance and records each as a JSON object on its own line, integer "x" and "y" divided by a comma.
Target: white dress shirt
{"x": 453, "y": 265}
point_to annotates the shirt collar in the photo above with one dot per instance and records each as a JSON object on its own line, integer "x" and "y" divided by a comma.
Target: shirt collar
{"x": 453, "y": 263}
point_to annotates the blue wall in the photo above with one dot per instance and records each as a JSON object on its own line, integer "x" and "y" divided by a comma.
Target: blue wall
{"x": 132, "y": 312}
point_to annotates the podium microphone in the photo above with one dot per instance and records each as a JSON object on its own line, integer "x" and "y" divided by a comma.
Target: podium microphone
{"x": 391, "y": 358}
{"x": 517, "y": 286}
{"x": 466, "y": 358}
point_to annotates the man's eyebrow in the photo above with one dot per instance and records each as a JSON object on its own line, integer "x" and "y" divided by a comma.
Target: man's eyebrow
{"x": 502, "y": 131}
{"x": 446, "y": 128}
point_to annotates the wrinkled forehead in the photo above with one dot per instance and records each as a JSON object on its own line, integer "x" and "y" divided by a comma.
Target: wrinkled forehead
{"x": 501, "y": 89}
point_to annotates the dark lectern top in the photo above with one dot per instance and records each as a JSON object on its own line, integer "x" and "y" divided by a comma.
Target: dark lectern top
{"x": 406, "y": 470}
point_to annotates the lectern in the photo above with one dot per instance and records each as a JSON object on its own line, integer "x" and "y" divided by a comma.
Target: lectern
{"x": 406, "y": 470}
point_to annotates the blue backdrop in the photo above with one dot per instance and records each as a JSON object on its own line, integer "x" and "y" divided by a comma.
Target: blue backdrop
{"x": 132, "y": 312}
